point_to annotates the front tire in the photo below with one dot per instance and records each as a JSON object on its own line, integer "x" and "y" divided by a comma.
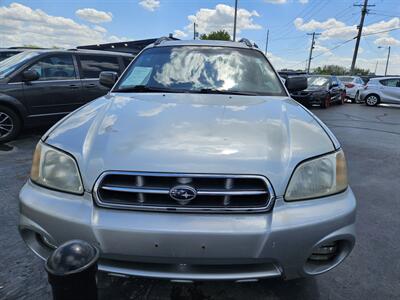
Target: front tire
{"x": 356, "y": 97}
{"x": 372, "y": 100}
{"x": 10, "y": 124}
{"x": 326, "y": 102}
{"x": 342, "y": 98}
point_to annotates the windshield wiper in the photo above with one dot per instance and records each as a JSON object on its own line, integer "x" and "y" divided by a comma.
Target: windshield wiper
{"x": 223, "y": 92}
{"x": 145, "y": 89}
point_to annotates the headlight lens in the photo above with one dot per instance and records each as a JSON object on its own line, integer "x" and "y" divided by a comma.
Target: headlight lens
{"x": 55, "y": 169}
{"x": 319, "y": 177}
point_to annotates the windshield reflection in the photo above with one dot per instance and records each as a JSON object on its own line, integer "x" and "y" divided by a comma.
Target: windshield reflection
{"x": 200, "y": 69}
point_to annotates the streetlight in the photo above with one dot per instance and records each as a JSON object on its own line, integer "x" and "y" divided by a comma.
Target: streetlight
{"x": 388, "y": 57}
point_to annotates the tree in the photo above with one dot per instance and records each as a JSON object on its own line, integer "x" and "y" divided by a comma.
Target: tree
{"x": 220, "y": 35}
{"x": 330, "y": 70}
{"x": 339, "y": 70}
{"x": 359, "y": 71}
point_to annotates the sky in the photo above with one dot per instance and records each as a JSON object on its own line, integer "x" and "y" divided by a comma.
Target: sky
{"x": 49, "y": 23}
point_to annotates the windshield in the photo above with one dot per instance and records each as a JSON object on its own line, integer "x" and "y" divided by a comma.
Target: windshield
{"x": 346, "y": 78}
{"x": 318, "y": 81}
{"x": 6, "y": 54}
{"x": 12, "y": 63}
{"x": 201, "y": 69}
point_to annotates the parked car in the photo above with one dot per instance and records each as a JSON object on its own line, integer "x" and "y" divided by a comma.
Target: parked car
{"x": 6, "y": 53}
{"x": 354, "y": 85}
{"x": 381, "y": 90}
{"x": 322, "y": 90}
{"x": 41, "y": 86}
{"x": 196, "y": 166}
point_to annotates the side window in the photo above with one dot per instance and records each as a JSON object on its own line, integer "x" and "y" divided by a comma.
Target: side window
{"x": 390, "y": 82}
{"x": 92, "y": 65}
{"x": 127, "y": 60}
{"x": 55, "y": 67}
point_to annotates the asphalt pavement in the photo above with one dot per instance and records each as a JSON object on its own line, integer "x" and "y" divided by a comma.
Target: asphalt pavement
{"x": 370, "y": 137}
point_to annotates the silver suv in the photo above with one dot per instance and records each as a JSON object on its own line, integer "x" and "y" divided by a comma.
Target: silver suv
{"x": 381, "y": 90}
{"x": 196, "y": 166}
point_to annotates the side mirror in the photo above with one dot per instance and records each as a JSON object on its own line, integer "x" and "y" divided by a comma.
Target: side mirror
{"x": 30, "y": 75}
{"x": 296, "y": 83}
{"x": 108, "y": 78}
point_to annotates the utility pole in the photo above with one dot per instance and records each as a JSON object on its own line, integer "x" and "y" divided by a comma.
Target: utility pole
{"x": 234, "y": 21}
{"x": 194, "y": 30}
{"x": 376, "y": 67}
{"x": 311, "y": 50}
{"x": 266, "y": 43}
{"x": 387, "y": 61}
{"x": 364, "y": 11}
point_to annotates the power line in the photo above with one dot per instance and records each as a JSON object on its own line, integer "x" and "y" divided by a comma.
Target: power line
{"x": 383, "y": 31}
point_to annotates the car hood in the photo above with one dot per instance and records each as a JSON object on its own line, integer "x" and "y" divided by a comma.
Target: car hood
{"x": 316, "y": 89}
{"x": 191, "y": 133}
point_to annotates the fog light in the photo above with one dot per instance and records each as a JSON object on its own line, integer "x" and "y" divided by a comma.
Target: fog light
{"x": 324, "y": 252}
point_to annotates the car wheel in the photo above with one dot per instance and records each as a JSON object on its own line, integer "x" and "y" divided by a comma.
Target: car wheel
{"x": 342, "y": 98}
{"x": 10, "y": 124}
{"x": 356, "y": 97}
{"x": 326, "y": 102}
{"x": 372, "y": 100}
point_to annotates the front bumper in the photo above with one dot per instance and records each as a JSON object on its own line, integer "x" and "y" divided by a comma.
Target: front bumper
{"x": 310, "y": 99}
{"x": 188, "y": 246}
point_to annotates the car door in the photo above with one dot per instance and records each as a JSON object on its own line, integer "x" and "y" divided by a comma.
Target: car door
{"x": 91, "y": 65}
{"x": 390, "y": 90}
{"x": 57, "y": 91}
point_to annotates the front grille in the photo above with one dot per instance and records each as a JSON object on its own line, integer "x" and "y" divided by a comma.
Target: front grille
{"x": 211, "y": 193}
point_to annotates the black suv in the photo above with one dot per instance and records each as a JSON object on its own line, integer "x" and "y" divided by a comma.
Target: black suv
{"x": 41, "y": 86}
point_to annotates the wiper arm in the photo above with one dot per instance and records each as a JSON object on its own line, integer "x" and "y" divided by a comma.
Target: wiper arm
{"x": 145, "y": 89}
{"x": 223, "y": 92}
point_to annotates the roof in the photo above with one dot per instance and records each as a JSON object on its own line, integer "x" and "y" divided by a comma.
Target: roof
{"x": 79, "y": 51}
{"x": 231, "y": 44}
{"x": 10, "y": 50}
{"x": 385, "y": 77}
{"x": 133, "y": 47}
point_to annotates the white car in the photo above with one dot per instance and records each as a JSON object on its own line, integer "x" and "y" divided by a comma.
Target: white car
{"x": 354, "y": 85}
{"x": 382, "y": 89}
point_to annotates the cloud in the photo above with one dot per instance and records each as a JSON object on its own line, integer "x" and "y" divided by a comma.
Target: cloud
{"x": 333, "y": 28}
{"x": 276, "y": 1}
{"x": 387, "y": 41}
{"x": 221, "y": 18}
{"x": 303, "y": 1}
{"x": 382, "y": 26}
{"x": 20, "y": 25}
{"x": 150, "y": 5}
{"x": 94, "y": 16}
{"x": 315, "y": 25}
{"x": 180, "y": 34}
{"x": 320, "y": 48}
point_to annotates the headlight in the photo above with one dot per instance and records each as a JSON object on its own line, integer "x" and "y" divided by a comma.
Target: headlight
{"x": 318, "y": 177}
{"x": 55, "y": 169}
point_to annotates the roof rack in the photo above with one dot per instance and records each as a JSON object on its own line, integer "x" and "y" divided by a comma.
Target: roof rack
{"x": 163, "y": 39}
{"x": 248, "y": 43}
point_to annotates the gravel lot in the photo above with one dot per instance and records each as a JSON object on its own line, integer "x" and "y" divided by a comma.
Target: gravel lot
{"x": 371, "y": 140}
